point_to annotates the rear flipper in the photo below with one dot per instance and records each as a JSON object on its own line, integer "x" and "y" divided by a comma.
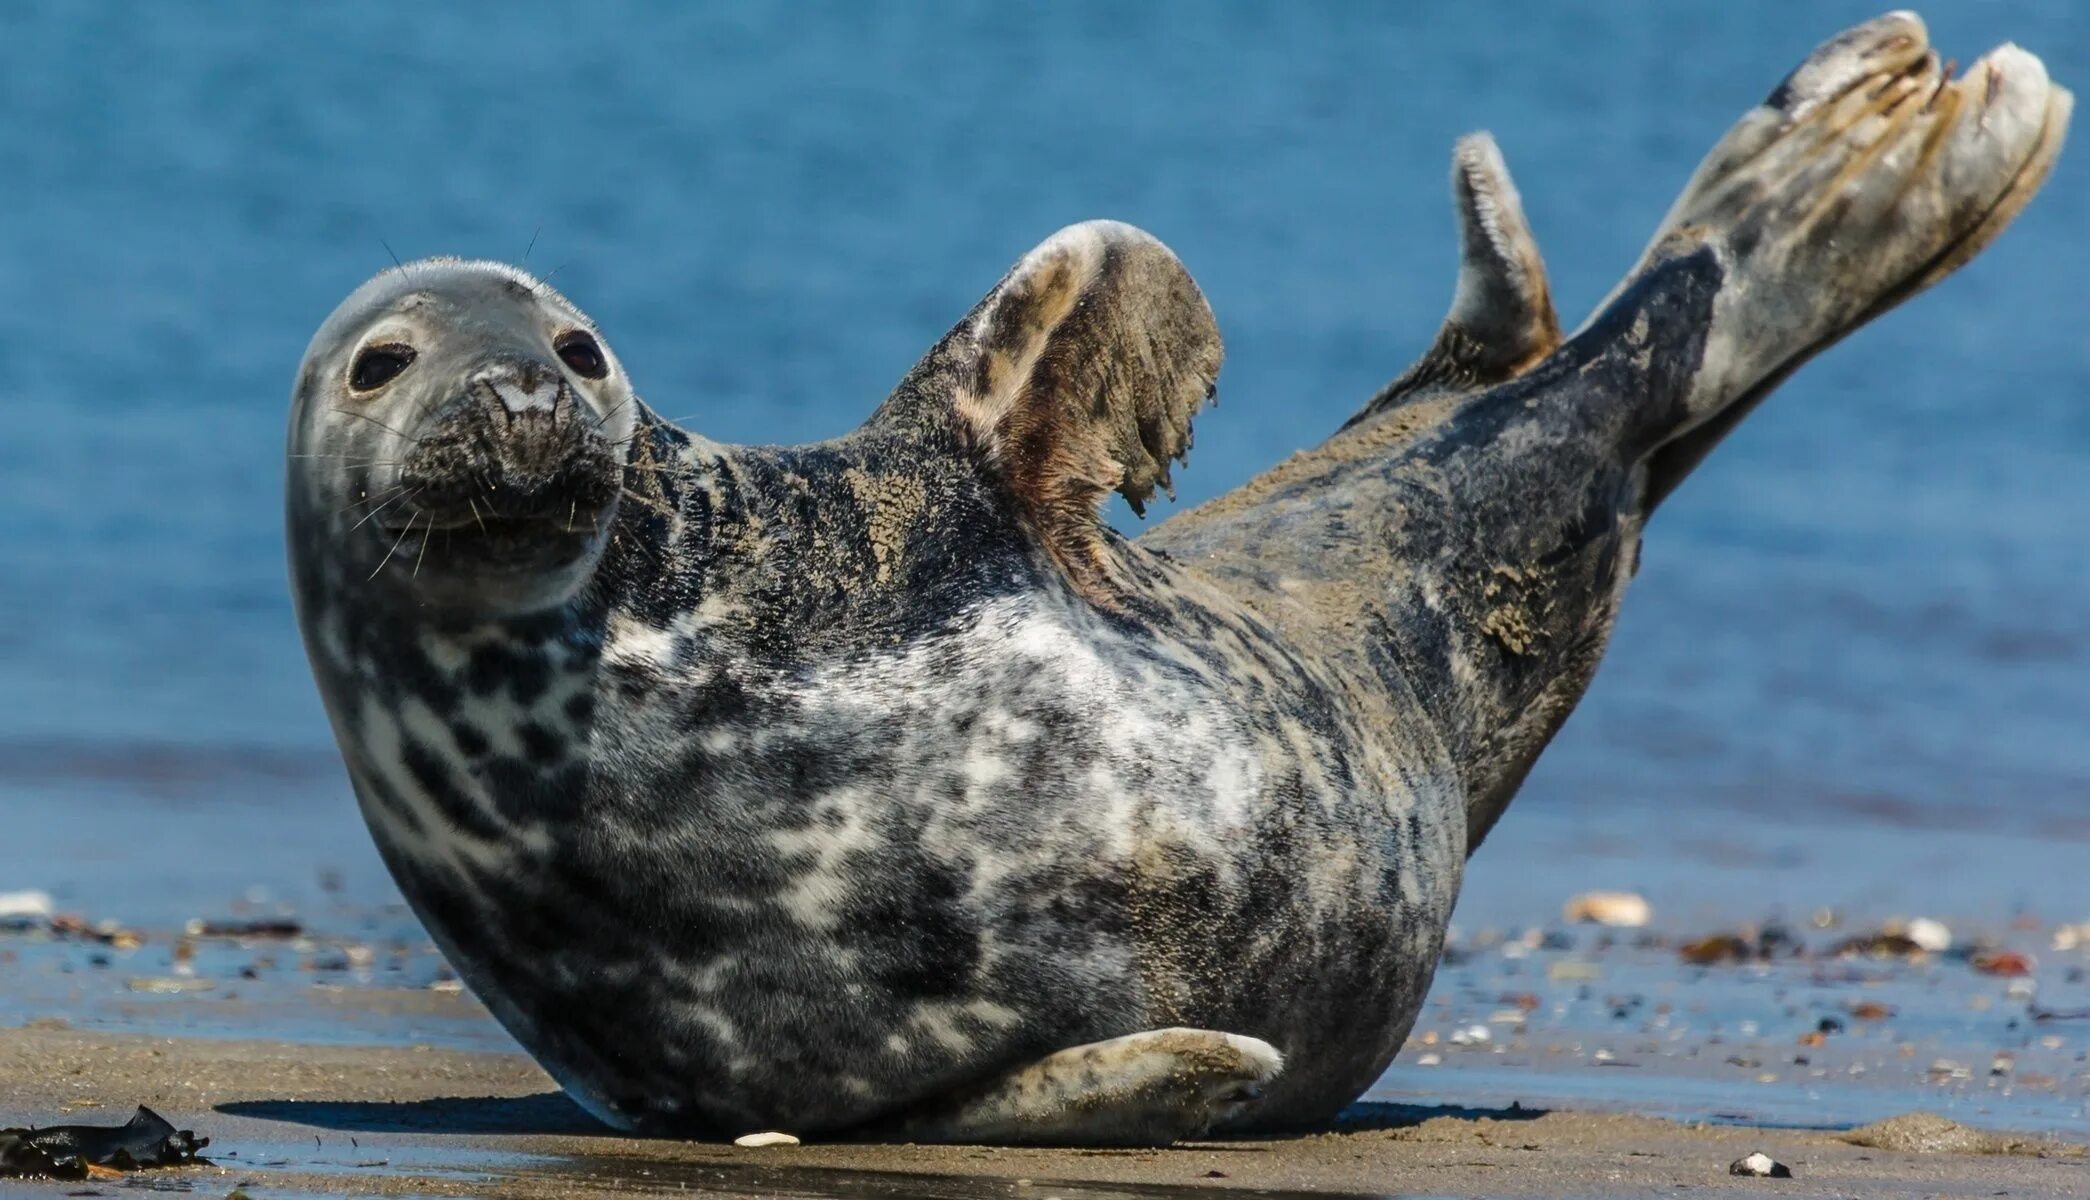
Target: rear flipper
{"x": 1145, "y": 1089}
{"x": 1867, "y": 175}
{"x": 1501, "y": 320}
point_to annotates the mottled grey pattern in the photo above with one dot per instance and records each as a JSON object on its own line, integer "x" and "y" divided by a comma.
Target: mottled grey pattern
{"x": 845, "y": 786}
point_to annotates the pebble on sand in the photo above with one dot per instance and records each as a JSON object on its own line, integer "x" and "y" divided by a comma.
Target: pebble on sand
{"x": 1620, "y": 910}
{"x": 768, "y": 1137}
{"x": 1760, "y": 1165}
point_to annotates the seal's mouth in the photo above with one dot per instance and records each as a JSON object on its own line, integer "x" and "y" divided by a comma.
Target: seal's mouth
{"x": 487, "y": 487}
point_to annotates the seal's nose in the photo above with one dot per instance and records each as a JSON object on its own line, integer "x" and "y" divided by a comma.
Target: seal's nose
{"x": 521, "y": 385}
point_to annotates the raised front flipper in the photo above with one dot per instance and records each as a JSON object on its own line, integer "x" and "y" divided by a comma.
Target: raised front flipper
{"x": 1501, "y": 320}
{"x": 1075, "y": 377}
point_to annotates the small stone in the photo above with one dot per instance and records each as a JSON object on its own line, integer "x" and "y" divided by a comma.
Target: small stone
{"x": 1429, "y": 1060}
{"x": 1620, "y": 910}
{"x": 1761, "y": 1166}
{"x": 1469, "y": 1035}
{"x": 1929, "y": 934}
{"x": 2006, "y": 963}
{"x": 768, "y": 1137}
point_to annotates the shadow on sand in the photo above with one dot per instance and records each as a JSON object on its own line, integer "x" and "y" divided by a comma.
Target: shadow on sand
{"x": 544, "y": 1113}
{"x": 554, "y": 1113}
{"x": 709, "y": 1174}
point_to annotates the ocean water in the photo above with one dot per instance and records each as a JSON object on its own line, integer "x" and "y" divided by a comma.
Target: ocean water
{"x": 1856, "y": 664}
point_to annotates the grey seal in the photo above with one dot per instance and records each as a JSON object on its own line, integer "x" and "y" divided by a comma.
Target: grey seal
{"x": 878, "y": 788}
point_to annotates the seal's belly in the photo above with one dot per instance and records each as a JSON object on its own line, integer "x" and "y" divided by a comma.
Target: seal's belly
{"x": 751, "y": 898}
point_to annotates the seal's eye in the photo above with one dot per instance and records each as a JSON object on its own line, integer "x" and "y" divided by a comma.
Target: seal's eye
{"x": 580, "y": 352}
{"x": 377, "y": 366}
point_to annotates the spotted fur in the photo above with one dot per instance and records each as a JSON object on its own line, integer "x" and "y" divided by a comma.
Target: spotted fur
{"x": 876, "y": 785}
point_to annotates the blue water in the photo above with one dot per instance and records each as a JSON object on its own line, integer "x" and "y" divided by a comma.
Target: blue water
{"x": 1867, "y": 610}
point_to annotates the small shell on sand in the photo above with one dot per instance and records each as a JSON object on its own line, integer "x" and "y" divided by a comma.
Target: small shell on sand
{"x": 1930, "y": 934}
{"x": 23, "y": 905}
{"x": 768, "y": 1137}
{"x": 1760, "y": 1165}
{"x": 1621, "y": 910}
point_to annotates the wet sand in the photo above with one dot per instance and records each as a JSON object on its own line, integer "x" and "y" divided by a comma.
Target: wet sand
{"x": 298, "y": 1119}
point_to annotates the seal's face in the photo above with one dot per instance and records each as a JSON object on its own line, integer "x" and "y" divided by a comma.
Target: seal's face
{"x": 458, "y": 433}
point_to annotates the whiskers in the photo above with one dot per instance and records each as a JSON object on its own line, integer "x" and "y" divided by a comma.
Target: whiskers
{"x": 397, "y": 542}
{"x": 424, "y": 546}
{"x": 356, "y": 462}
{"x": 396, "y": 264}
{"x": 651, "y": 502}
{"x": 611, "y": 412}
{"x": 349, "y": 412}
{"x": 382, "y": 507}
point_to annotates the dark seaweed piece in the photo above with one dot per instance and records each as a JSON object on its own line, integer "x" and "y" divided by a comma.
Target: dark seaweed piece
{"x": 66, "y": 1151}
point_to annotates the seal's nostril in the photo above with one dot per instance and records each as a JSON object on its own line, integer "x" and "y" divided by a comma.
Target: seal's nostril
{"x": 522, "y": 386}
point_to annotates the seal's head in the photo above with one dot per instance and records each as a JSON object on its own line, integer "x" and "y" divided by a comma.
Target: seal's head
{"x": 456, "y": 436}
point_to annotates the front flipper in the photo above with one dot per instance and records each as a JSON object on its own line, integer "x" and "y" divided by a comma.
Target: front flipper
{"x": 1076, "y": 376}
{"x": 1144, "y": 1089}
{"x": 1501, "y": 321}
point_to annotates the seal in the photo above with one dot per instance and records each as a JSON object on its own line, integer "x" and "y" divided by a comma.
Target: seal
{"x": 878, "y": 788}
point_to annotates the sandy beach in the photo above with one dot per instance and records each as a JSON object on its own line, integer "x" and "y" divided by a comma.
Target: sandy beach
{"x": 293, "y": 1119}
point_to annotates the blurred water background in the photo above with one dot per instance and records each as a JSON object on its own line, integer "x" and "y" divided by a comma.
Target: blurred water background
{"x": 1855, "y": 668}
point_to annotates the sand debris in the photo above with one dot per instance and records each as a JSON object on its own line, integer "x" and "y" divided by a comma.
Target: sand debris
{"x": 75, "y": 1152}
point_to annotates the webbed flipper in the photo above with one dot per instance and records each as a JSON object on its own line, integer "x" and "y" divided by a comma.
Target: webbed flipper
{"x": 1865, "y": 177}
{"x": 1075, "y": 377}
{"x": 1501, "y": 321}
{"x": 1143, "y": 1089}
